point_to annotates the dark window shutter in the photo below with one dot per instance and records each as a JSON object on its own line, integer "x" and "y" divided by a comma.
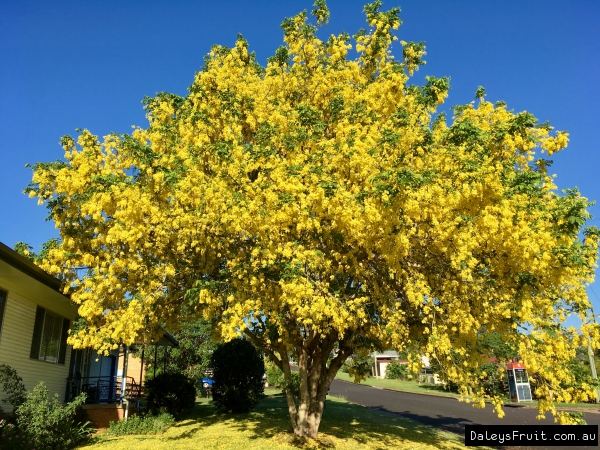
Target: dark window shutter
{"x": 2, "y": 306}
{"x": 37, "y": 333}
{"x": 63, "y": 341}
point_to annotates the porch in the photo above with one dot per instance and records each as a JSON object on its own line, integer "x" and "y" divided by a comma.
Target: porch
{"x": 113, "y": 383}
{"x": 104, "y": 389}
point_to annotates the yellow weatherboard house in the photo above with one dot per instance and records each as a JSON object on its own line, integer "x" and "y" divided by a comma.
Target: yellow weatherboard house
{"x": 34, "y": 320}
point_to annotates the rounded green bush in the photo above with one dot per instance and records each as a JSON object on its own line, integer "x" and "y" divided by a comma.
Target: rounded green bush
{"x": 238, "y": 369}
{"x": 170, "y": 392}
{"x": 397, "y": 370}
{"x": 274, "y": 375}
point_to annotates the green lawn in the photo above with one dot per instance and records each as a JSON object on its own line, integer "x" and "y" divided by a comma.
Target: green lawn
{"x": 345, "y": 426}
{"x": 566, "y": 406}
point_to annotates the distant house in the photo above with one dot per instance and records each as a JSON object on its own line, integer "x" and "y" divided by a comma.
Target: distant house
{"x": 381, "y": 361}
{"x": 34, "y": 321}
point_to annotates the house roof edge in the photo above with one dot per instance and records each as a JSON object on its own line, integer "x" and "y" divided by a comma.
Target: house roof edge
{"x": 23, "y": 264}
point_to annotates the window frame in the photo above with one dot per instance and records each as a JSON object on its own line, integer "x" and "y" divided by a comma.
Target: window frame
{"x": 41, "y": 333}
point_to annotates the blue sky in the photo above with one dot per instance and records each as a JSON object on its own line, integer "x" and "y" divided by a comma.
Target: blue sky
{"x": 67, "y": 65}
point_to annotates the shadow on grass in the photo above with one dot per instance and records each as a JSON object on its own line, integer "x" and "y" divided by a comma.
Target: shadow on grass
{"x": 454, "y": 425}
{"x": 266, "y": 418}
{"x": 380, "y": 431}
{"x": 341, "y": 421}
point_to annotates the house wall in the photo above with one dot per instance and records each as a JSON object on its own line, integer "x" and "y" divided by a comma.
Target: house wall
{"x": 134, "y": 366}
{"x": 24, "y": 294}
{"x": 382, "y": 369}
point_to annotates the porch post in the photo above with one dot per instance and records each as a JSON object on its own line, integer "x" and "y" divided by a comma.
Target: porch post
{"x": 124, "y": 375}
{"x": 142, "y": 367}
{"x": 85, "y": 359}
{"x": 155, "y": 353}
{"x": 373, "y": 367}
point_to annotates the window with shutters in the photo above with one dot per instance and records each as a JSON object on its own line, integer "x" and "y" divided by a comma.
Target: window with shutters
{"x": 49, "y": 341}
{"x": 3, "y": 295}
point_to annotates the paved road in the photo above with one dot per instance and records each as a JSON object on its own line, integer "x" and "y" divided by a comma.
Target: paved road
{"x": 446, "y": 413}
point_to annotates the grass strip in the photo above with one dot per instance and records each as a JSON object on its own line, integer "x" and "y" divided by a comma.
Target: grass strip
{"x": 401, "y": 385}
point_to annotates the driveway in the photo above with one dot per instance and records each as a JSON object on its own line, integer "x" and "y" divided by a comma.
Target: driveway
{"x": 441, "y": 412}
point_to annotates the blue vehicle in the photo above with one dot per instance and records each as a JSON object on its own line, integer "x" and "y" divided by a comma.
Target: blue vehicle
{"x": 207, "y": 383}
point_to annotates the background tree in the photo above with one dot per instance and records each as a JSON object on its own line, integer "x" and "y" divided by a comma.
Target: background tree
{"x": 314, "y": 203}
{"x": 191, "y": 358}
{"x": 492, "y": 344}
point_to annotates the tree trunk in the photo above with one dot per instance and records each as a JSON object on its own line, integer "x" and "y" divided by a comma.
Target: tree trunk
{"x": 309, "y": 417}
{"x": 315, "y": 377}
{"x": 315, "y": 380}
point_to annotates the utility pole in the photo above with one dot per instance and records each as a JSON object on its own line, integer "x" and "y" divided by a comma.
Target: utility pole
{"x": 591, "y": 356}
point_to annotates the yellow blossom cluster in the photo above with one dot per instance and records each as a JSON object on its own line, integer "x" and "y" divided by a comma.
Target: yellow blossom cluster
{"x": 314, "y": 205}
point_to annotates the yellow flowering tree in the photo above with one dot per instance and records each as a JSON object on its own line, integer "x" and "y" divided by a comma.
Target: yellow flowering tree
{"x": 315, "y": 206}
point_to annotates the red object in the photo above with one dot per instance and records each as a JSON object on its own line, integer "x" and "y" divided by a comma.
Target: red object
{"x": 515, "y": 366}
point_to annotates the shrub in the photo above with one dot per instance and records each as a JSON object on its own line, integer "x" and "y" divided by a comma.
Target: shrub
{"x": 274, "y": 374}
{"x": 173, "y": 393}
{"x": 238, "y": 369}
{"x": 48, "y": 423}
{"x": 358, "y": 366}
{"x": 495, "y": 381}
{"x": 139, "y": 424}
{"x": 293, "y": 385}
{"x": 346, "y": 366}
{"x": 397, "y": 371}
{"x": 12, "y": 385}
{"x": 11, "y": 437}
{"x": 275, "y": 377}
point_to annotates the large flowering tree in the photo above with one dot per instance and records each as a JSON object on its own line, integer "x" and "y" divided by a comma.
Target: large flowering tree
{"x": 314, "y": 206}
